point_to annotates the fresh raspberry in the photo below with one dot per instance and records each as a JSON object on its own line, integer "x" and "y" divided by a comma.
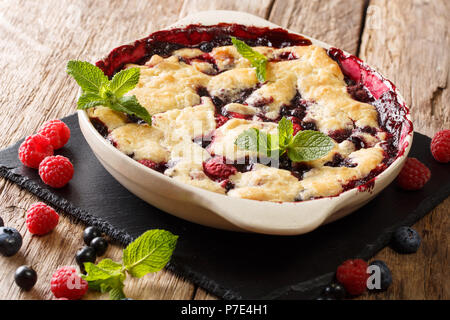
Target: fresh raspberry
{"x": 41, "y": 219}
{"x": 440, "y": 146}
{"x": 220, "y": 120}
{"x": 296, "y": 127}
{"x": 352, "y": 274}
{"x": 57, "y": 132}
{"x": 414, "y": 175}
{"x": 149, "y": 163}
{"x": 217, "y": 169}
{"x": 66, "y": 283}
{"x": 238, "y": 115}
{"x": 56, "y": 171}
{"x": 34, "y": 149}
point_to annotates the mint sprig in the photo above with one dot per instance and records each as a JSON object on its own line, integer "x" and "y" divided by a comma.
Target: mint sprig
{"x": 306, "y": 145}
{"x": 148, "y": 253}
{"x": 257, "y": 60}
{"x": 99, "y": 90}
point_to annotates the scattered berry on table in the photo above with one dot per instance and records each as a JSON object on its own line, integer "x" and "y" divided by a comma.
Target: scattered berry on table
{"x": 90, "y": 233}
{"x": 217, "y": 169}
{"x": 56, "y": 171}
{"x": 100, "y": 245}
{"x": 440, "y": 146}
{"x": 385, "y": 274}
{"x": 334, "y": 290}
{"x": 352, "y": 274}
{"x": 10, "y": 241}
{"x": 414, "y": 175}
{"x": 1, "y": 222}
{"x": 41, "y": 219}
{"x": 85, "y": 254}
{"x": 25, "y": 277}
{"x": 405, "y": 240}
{"x": 34, "y": 149}
{"x": 66, "y": 283}
{"x": 127, "y": 299}
{"x": 57, "y": 132}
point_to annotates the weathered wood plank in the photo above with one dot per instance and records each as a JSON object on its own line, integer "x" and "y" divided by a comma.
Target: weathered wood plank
{"x": 337, "y": 22}
{"x": 35, "y": 88}
{"x": 408, "y": 42}
{"x": 256, "y": 7}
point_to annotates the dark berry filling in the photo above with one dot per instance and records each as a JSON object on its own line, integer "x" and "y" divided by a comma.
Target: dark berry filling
{"x": 134, "y": 119}
{"x": 362, "y": 84}
{"x": 340, "y": 135}
{"x": 205, "y": 38}
{"x": 100, "y": 127}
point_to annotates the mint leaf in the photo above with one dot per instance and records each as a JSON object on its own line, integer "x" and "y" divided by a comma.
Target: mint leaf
{"x": 106, "y": 276}
{"x": 255, "y": 140}
{"x": 89, "y": 100}
{"x": 258, "y": 60}
{"x": 285, "y": 132}
{"x": 309, "y": 145}
{"x": 116, "y": 294}
{"x": 124, "y": 81}
{"x": 248, "y": 140}
{"x": 89, "y": 77}
{"x": 130, "y": 105}
{"x": 98, "y": 90}
{"x": 305, "y": 146}
{"x": 149, "y": 253}
{"x": 261, "y": 67}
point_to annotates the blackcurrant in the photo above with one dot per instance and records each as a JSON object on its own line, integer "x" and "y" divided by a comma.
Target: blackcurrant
{"x": 100, "y": 245}
{"x": 334, "y": 290}
{"x": 85, "y": 254}
{"x": 25, "y": 277}
{"x": 90, "y": 233}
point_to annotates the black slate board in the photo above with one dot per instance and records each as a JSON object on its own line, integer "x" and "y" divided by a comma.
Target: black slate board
{"x": 227, "y": 264}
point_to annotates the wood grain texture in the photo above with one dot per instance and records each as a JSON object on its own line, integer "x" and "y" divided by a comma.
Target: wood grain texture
{"x": 36, "y": 43}
{"x": 337, "y": 22}
{"x": 257, "y": 7}
{"x": 406, "y": 41}
{"x": 35, "y": 88}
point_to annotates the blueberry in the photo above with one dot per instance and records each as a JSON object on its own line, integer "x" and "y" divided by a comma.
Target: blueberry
{"x": 405, "y": 240}
{"x": 100, "y": 245}
{"x": 1, "y": 222}
{"x": 385, "y": 275}
{"x": 90, "y": 233}
{"x": 206, "y": 47}
{"x": 85, "y": 254}
{"x": 127, "y": 299}
{"x": 10, "y": 241}
{"x": 334, "y": 290}
{"x": 25, "y": 277}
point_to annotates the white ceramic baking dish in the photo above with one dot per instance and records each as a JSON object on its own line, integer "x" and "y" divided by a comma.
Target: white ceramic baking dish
{"x": 224, "y": 212}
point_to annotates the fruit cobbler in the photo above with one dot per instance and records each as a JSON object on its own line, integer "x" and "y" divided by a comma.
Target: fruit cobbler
{"x": 202, "y": 94}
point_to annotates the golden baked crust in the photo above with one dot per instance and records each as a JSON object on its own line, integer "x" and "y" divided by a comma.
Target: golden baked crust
{"x": 169, "y": 88}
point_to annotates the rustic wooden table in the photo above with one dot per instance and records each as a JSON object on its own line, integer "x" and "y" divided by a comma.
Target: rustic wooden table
{"x": 408, "y": 41}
